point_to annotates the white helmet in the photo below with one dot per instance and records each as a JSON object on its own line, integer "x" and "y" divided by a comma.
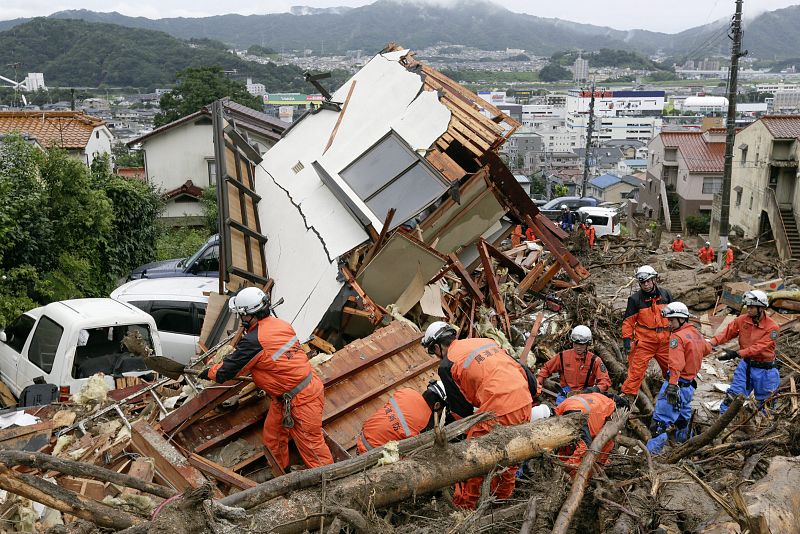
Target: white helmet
{"x": 645, "y": 273}
{"x": 581, "y": 334}
{"x": 249, "y": 301}
{"x": 755, "y": 298}
{"x": 588, "y": 221}
{"x": 436, "y": 331}
{"x": 563, "y": 206}
{"x": 542, "y": 411}
{"x": 678, "y": 236}
{"x": 437, "y": 388}
{"x": 675, "y": 309}
{"x": 708, "y": 243}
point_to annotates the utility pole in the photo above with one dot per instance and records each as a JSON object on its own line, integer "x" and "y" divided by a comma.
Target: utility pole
{"x": 730, "y": 124}
{"x": 589, "y": 130}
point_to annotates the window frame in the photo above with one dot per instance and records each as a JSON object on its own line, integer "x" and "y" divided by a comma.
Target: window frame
{"x": 10, "y": 340}
{"x": 44, "y": 319}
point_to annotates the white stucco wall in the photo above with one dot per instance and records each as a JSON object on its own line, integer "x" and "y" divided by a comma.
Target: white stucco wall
{"x": 751, "y": 176}
{"x": 179, "y": 154}
{"x": 99, "y": 143}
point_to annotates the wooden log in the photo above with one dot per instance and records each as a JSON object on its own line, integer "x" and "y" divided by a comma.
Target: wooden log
{"x": 581, "y": 481}
{"x": 66, "y": 501}
{"x": 706, "y": 437}
{"x": 43, "y": 462}
{"x": 309, "y": 477}
{"x": 388, "y": 484}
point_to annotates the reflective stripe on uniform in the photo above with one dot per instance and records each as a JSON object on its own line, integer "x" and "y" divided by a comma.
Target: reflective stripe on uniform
{"x": 400, "y": 416}
{"x": 288, "y": 345}
{"x": 364, "y": 441}
{"x": 585, "y": 404}
{"x": 475, "y": 352}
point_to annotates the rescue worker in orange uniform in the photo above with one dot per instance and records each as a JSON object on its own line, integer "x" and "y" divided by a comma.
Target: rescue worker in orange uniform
{"x": 677, "y": 244}
{"x": 645, "y": 333}
{"x": 271, "y": 352}
{"x": 590, "y": 233}
{"x": 406, "y": 414}
{"x": 757, "y": 335}
{"x": 706, "y": 253}
{"x": 687, "y": 348}
{"x": 580, "y": 371}
{"x": 478, "y": 374}
{"x": 529, "y": 235}
{"x": 516, "y": 236}
{"x": 599, "y": 408}
{"x": 729, "y": 257}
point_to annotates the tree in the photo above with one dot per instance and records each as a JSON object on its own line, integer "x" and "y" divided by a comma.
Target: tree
{"x": 198, "y": 87}
{"x": 122, "y": 156}
{"x": 553, "y": 73}
{"x": 538, "y": 185}
{"x": 560, "y": 190}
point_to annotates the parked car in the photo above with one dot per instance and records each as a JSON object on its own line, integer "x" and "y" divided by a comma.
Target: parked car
{"x": 64, "y": 343}
{"x": 177, "y": 305}
{"x": 604, "y": 220}
{"x": 552, "y": 210}
{"x": 204, "y": 262}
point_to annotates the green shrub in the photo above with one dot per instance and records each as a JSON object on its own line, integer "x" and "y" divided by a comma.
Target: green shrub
{"x": 698, "y": 224}
{"x": 179, "y": 242}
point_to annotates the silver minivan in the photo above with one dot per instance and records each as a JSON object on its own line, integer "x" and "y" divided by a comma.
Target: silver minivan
{"x": 178, "y": 306}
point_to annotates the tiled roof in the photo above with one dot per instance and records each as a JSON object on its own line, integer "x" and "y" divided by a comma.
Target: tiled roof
{"x": 604, "y": 181}
{"x": 699, "y": 155}
{"x": 783, "y": 126}
{"x": 188, "y": 188}
{"x": 68, "y": 129}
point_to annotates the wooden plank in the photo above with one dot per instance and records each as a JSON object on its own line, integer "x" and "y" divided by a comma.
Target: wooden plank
{"x": 530, "y": 278}
{"x": 337, "y": 451}
{"x": 220, "y": 473}
{"x": 491, "y": 282}
{"x": 235, "y": 423}
{"x": 19, "y": 437}
{"x": 542, "y": 282}
{"x": 341, "y": 115}
{"x": 445, "y": 165}
{"x": 523, "y": 356}
{"x": 199, "y": 405}
{"x": 381, "y": 239}
{"x": 143, "y": 469}
{"x": 502, "y": 259}
{"x": 469, "y": 282}
{"x": 89, "y": 488}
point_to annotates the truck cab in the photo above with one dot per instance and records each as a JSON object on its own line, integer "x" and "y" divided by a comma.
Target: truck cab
{"x": 64, "y": 343}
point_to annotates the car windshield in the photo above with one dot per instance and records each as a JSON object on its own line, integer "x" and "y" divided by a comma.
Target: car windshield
{"x": 193, "y": 258}
{"x": 112, "y": 350}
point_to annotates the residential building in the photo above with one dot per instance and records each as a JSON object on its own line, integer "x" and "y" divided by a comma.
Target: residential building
{"x": 611, "y": 188}
{"x": 580, "y": 69}
{"x": 556, "y": 137}
{"x": 255, "y": 89}
{"x": 179, "y": 156}
{"x": 522, "y": 149}
{"x": 630, "y": 166}
{"x": 786, "y": 101}
{"x": 601, "y": 159}
{"x": 83, "y": 136}
{"x": 690, "y": 164}
{"x": 765, "y": 195}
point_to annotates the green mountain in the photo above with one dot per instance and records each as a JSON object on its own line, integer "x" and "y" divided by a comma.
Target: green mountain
{"x": 79, "y": 53}
{"x": 478, "y": 23}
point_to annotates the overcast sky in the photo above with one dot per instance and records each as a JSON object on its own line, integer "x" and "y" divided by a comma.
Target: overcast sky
{"x": 668, "y": 16}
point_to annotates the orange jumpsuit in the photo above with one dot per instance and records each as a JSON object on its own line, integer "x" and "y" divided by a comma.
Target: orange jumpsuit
{"x": 406, "y": 414}
{"x": 678, "y": 245}
{"x": 477, "y": 373}
{"x": 576, "y": 372}
{"x": 756, "y": 342}
{"x": 728, "y": 258}
{"x": 516, "y": 236}
{"x": 706, "y": 254}
{"x": 529, "y": 235}
{"x": 650, "y": 334}
{"x": 271, "y": 351}
{"x": 590, "y": 235}
{"x": 599, "y": 407}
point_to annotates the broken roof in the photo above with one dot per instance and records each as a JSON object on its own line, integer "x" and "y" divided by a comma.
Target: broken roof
{"x": 70, "y": 130}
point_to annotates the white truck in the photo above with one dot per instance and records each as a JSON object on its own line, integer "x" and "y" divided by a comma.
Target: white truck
{"x": 66, "y": 342}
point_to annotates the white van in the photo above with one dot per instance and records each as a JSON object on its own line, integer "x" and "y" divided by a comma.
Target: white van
{"x": 604, "y": 220}
{"x": 64, "y": 343}
{"x": 178, "y": 306}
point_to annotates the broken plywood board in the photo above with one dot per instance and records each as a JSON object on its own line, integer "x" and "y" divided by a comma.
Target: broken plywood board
{"x": 395, "y": 266}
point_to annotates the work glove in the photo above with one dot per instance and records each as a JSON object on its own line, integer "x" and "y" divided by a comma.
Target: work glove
{"x": 672, "y": 395}
{"x": 569, "y": 393}
{"x": 729, "y": 355}
{"x": 626, "y": 345}
{"x": 204, "y": 374}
